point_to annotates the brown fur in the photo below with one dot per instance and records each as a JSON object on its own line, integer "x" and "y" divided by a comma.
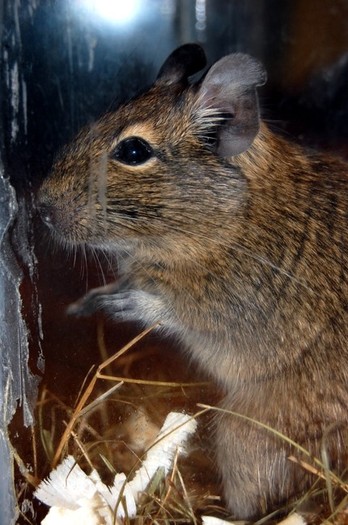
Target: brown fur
{"x": 243, "y": 259}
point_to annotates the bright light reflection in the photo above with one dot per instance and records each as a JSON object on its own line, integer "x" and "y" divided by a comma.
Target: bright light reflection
{"x": 116, "y": 11}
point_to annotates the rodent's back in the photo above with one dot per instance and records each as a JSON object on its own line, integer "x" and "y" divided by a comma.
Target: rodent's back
{"x": 296, "y": 229}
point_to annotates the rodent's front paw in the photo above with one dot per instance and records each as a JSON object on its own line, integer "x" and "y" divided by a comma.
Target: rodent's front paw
{"x": 134, "y": 305}
{"x": 92, "y": 301}
{"x": 85, "y": 306}
{"x": 122, "y": 305}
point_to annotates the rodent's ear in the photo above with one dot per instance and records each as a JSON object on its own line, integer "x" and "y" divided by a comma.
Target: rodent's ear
{"x": 229, "y": 88}
{"x": 185, "y": 61}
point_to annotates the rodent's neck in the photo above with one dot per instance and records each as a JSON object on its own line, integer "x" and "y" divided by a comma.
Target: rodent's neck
{"x": 270, "y": 154}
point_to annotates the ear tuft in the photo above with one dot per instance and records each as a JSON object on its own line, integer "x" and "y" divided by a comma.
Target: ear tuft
{"x": 185, "y": 61}
{"x": 229, "y": 89}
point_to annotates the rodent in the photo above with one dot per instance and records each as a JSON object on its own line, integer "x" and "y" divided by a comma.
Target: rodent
{"x": 235, "y": 239}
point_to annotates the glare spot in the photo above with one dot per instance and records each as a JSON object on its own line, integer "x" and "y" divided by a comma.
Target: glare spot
{"x": 115, "y": 11}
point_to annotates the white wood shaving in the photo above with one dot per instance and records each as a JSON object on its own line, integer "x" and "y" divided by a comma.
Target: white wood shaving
{"x": 75, "y": 497}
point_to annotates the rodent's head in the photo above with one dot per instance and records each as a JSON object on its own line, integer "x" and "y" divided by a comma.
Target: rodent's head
{"x": 160, "y": 165}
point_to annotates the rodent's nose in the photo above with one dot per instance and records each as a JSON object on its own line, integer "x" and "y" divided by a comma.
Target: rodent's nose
{"x": 47, "y": 214}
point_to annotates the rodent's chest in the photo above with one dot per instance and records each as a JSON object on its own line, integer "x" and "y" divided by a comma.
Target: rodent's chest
{"x": 152, "y": 277}
{"x": 178, "y": 286}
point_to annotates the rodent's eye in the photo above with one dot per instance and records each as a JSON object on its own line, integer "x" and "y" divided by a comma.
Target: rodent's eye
{"x": 132, "y": 151}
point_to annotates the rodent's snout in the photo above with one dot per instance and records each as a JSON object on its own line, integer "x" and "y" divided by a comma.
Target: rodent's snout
{"x": 46, "y": 213}
{"x": 60, "y": 215}
{"x": 55, "y": 217}
{"x": 58, "y": 219}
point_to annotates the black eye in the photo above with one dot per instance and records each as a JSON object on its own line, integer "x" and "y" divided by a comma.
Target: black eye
{"x": 132, "y": 151}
